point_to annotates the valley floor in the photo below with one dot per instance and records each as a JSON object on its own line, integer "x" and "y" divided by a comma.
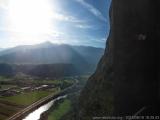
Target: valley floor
{"x": 16, "y": 94}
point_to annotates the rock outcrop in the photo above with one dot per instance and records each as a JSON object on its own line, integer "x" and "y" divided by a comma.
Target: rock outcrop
{"x": 127, "y": 76}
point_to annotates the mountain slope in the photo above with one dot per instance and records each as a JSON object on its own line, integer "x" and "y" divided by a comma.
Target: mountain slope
{"x": 83, "y": 59}
{"x": 41, "y": 70}
{"x": 48, "y": 53}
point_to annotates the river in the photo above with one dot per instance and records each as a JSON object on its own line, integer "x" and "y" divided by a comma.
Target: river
{"x": 36, "y": 114}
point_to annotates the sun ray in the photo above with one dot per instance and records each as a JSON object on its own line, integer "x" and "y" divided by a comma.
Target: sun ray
{"x": 30, "y": 21}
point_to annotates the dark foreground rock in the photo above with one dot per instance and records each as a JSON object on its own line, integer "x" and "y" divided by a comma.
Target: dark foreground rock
{"x": 127, "y": 76}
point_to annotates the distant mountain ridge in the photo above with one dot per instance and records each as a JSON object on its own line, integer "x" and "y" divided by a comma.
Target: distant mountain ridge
{"x": 48, "y": 53}
{"x": 83, "y": 58}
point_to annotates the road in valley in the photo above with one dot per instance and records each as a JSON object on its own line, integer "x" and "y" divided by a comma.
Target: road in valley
{"x": 21, "y": 114}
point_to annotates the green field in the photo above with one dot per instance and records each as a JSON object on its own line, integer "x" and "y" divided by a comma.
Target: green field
{"x": 27, "y": 98}
{"x": 3, "y": 117}
{"x": 47, "y": 81}
{"x": 60, "y": 111}
{"x": 6, "y": 86}
{"x": 7, "y": 110}
{"x": 16, "y": 102}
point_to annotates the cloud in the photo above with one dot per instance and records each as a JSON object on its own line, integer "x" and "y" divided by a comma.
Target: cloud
{"x": 76, "y": 22}
{"x": 84, "y": 26}
{"x": 63, "y": 17}
{"x": 93, "y": 10}
{"x": 97, "y": 39}
{"x": 4, "y": 4}
{"x": 104, "y": 39}
{"x": 55, "y": 15}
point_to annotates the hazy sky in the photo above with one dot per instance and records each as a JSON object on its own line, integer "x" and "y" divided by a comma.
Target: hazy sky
{"x": 77, "y": 22}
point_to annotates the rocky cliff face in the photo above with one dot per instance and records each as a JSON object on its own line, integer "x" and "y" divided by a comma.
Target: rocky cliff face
{"x": 126, "y": 79}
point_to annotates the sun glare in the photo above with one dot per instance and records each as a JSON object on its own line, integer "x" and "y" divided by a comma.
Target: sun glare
{"x": 30, "y": 21}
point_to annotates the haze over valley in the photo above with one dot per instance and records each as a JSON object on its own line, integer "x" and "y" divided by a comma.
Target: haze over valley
{"x": 48, "y": 50}
{"x": 50, "y": 59}
{"x": 41, "y": 70}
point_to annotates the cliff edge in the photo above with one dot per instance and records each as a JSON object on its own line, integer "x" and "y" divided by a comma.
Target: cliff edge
{"x": 127, "y": 76}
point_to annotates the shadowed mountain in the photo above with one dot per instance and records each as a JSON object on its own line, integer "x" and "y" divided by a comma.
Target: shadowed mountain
{"x": 47, "y": 70}
{"x": 40, "y": 70}
{"x": 83, "y": 58}
{"x": 48, "y": 53}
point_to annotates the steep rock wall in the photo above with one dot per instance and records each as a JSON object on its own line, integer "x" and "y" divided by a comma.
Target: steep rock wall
{"x": 126, "y": 78}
